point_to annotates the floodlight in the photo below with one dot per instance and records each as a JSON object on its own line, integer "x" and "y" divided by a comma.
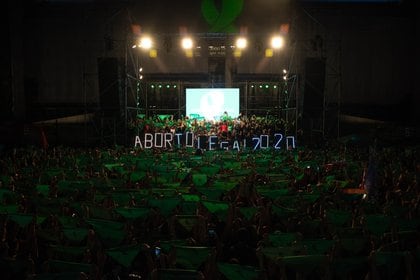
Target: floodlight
{"x": 241, "y": 43}
{"x": 187, "y": 43}
{"x": 145, "y": 43}
{"x": 277, "y": 42}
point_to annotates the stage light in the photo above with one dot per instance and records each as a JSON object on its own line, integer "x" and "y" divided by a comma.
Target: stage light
{"x": 260, "y": 86}
{"x": 241, "y": 43}
{"x": 152, "y": 86}
{"x": 187, "y": 43}
{"x": 141, "y": 69}
{"x": 285, "y": 78}
{"x": 266, "y": 86}
{"x": 168, "y": 86}
{"x": 145, "y": 43}
{"x": 160, "y": 86}
{"x": 174, "y": 86}
{"x": 277, "y": 42}
{"x": 284, "y": 71}
{"x": 141, "y": 77}
{"x": 134, "y": 46}
{"x": 275, "y": 86}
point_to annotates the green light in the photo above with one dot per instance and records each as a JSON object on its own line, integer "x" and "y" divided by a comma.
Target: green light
{"x": 266, "y": 86}
{"x": 160, "y": 86}
{"x": 167, "y": 86}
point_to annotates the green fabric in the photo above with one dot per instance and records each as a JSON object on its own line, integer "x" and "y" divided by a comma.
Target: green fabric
{"x": 120, "y": 198}
{"x": 24, "y": 219}
{"x": 232, "y": 165}
{"x": 133, "y": 213}
{"x": 317, "y": 246}
{"x": 273, "y": 194}
{"x": 124, "y": 255}
{"x": 137, "y": 176}
{"x": 166, "y": 206}
{"x": 189, "y": 207}
{"x": 189, "y": 257}
{"x": 248, "y": 212}
{"x": 43, "y": 189}
{"x": 311, "y": 198}
{"x": 167, "y": 245}
{"x": 144, "y": 164}
{"x": 165, "y": 193}
{"x": 47, "y": 176}
{"x": 220, "y": 209}
{"x": 209, "y": 170}
{"x": 191, "y": 197}
{"x": 7, "y": 196}
{"x": 4, "y": 209}
{"x": 210, "y": 193}
{"x": 283, "y": 212}
{"x": 238, "y": 272}
{"x": 275, "y": 253}
{"x": 282, "y": 239}
{"x": 68, "y": 221}
{"x": 305, "y": 264}
{"x": 187, "y": 221}
{"x": 245, "y": 171}
{"x": 72, "y": 185}
{"x": 223, "y": 185}
{"x": 115, "y": 167}
{"x": 75, "y": 234}
{"x": 199, "y": 180}
{"x": 98, "y": 212}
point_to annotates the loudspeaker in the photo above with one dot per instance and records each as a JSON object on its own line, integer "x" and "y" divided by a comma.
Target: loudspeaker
{"x": 109, "y": 79}
{"x": 313, "y": 100}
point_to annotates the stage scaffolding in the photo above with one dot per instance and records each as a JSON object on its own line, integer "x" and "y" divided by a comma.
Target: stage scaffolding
{"x": 264, "y": 95}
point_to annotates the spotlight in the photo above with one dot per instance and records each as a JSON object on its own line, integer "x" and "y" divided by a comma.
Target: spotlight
{"x": 277, "y": 42}
{"x": 187, "y": 43}
{"x": 145, "y": 43}
{"x": 241, "y": 43}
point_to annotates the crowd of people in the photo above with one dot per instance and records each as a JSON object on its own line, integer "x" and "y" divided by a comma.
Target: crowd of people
{"x": 228, "y": 128}
{"x": 126, "y": 213}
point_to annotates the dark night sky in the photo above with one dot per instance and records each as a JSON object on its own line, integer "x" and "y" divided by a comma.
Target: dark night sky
{"x": 55, "y": 44}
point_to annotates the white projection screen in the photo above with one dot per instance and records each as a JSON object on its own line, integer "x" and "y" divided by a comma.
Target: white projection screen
{"x": 211, "y": 103}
